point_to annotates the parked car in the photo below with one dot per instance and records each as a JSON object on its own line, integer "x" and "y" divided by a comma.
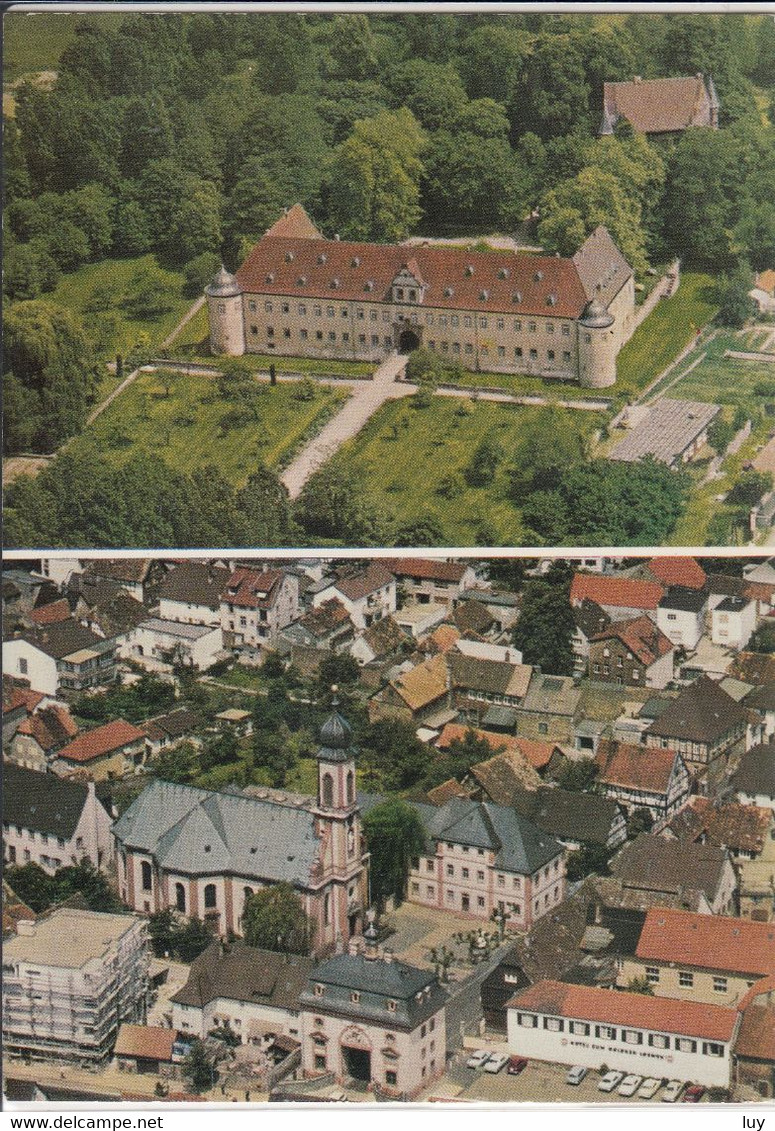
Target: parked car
{"x": 517, "y": 1064}
{"x": 497, "y": 1061}
{"x": 576, "y": 1074}
{"x": 478, "y": 1059}
{"x": 672, "y": 1091}
{"x": 649, "y": 1088}
{"x": 630, "y": 1085}
{"x": 693, "y": 1094}
{"x": 610, "y": 1081}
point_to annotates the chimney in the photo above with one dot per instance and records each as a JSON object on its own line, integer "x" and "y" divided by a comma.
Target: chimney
{"x": 387, "y": 954}
{"x": 637, "y": 78}
{"x": 352, "y": 948}
{"x": 25, "y": 928}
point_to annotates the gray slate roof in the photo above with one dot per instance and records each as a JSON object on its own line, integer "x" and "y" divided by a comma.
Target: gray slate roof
{"x": 42, "y": 802}
{"x": 519, "y": 845}
{"x": 668, "y": 430}
{"x": 570, "y": 815}
{"x": 756, "y": 772}
{"x": 201, "y": 833}
{"x": 653, "y": 864}
{"x": 416, "y": 993}
{"x": 196, "y": 583}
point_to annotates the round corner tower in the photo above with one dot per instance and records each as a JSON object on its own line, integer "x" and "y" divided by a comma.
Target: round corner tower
{"x": 224, "y": 311}
{"x": 598, "y": 343}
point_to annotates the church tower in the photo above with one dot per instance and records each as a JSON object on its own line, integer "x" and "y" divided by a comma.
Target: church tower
{"x": 343, "y": 859}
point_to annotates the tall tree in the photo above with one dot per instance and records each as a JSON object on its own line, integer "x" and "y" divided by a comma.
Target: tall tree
{"x": 274, "y": 919}
{"x": 545, "y": 627}
{"x": 394, "y": 834}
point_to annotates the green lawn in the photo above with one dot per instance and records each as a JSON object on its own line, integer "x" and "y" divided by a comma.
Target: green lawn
{"x": 184, "y": 427}
{"x": 194, "y": 337}
{"x": 523, "y": 385}
{"x": 35, "y": 41}
{"x": 726, "y": 380}
{"x": 119, "y": 332}
{"x": 667, "y": 330}
{"x": 400, "y": 440}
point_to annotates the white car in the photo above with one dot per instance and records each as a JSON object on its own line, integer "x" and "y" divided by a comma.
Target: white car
{"x": 630, "y": 1085}
{"x": 672, "y": 1091}
{"x": 610, "y": 1081}
{"x": 497, "y": 1061}
{"x": 576, "y": 1074}
{"x": 478, "y": 1059}
{"x": 649, "y": 1088}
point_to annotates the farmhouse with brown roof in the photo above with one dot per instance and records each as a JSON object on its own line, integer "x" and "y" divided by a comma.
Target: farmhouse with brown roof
{"x": 660, "y": 106}
{"x": 301, "y": 295}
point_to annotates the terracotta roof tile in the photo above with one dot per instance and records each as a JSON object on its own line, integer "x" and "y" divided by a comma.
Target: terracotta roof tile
{"x": 538, "y": 754}
{"x": 635, "y": 767}
{"x": 444, "y": 637}
{"x": 339, "y": 270}
{"x": 15, "y": 696}
{"x": 616, "y": 1007}
{"x": 147, "y": 1042}
{"x": 51, "y": 613}
{"x": 252, "y": 589}
{"x": 426, "y": 568}
{"x": 756, "y": 1037}
{"x": 617, "y": 592}
{"x": 685, "y": 572}
{"x": 717, "y": 942}
{"x": 424, "y": 684}
{"x": 641, "y": 636}
{"x": 102, "y": 740}
{"x": 659, "y": 105}
{"x": 356, "y": 586}
{"x": 740, "y": 828}
{"x": 296, "y": 224}
{"x": 441, "y": 794}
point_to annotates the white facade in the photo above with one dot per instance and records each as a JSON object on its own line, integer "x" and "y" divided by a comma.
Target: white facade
{"x": 91, "y": 840}
{"x": 682, "y": 627}
{"x": 23, "y": 660}
{"x": 160, "y": 643}
{"x": 678, "y": 1052}
{"x": 419, "y": 620}
{"x": 364, "y": 610}
{"x": 186, "y": 612}
{"x": 733, "y": 627}
{"x": 245, "y": 1018}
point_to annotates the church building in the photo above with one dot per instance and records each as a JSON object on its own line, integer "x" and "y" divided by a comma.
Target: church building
{"x": 204, "y": 853}
{"x": 300, "y": 295}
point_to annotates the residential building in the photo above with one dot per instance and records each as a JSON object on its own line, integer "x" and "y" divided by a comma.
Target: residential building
{"x": 301, "y": 295}
{"x": 733, "y": 622}
{"x": 255, "y": 606}
{"x": 545, "y": 758}
{"x": 62, "y": 657}
{"x": 621, "y": 598}
{"x": 577, "y": 820}
{"x": 590, "y": 620}
{"x": 145, "y": 1048}
{"x": 430, "y": 580}
{"x": 641, "y": 777}
{"x": 106, "y": 752}
{"x": 376, "y": 1021}
{"x": 671, "y": 431}
{"x": 133, "y": 574}
{"x": 422, "y": 693}
{"x": 385, "y": 638}
{"x": 681, "y": 616}
{"x": 328, "y": 627}
{"x": 755, "y": 1044}
{"x": 482, "y": 858}
{"x": 417, "y": 621}
{"x": 635, "y": 653}
{"x": 367, "y": 593}
{"x": 700, "y": 958}
{"x": 161, "y": 645}
{"x": 704, "y": 725}
{"x": 660, "y": 107}
{"x": 549, "y": 710}
{"x": 753, "y": 782}
{"x": 191, "y": 593}
{"x": 70, "y": 980}
{"x": 252, "y": 991}
{"x": 40, "y": 735}
{"x": 19, "y": 703}
{"x": 477, "y": 684}
{"x": 743, "y": 829}
{"x": 204, "y": 853}
{"x": 51, "y": 822}
{"x": 628, "y": 1032}
{"x": 666, "y": 869}
{"x": 674, "y": 572}
{"x": 165, "y": 731}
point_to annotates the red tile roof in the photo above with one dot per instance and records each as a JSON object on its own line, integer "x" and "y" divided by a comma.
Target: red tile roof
{"x": 617, "y": 592}
{"x": 358, "y": 585}
{"x": 15, "y": 696}
{"x": 250, "y": 589}
{"x": 756, "y": 1037}
{"x": 634, "y": 767}
{"x": 659, "y": 105}
{"x": 444, "y": 637}
{"x": 740, "y": 828}
{"x": 455, "y": 278}
{"x": 716, "y": 942}
{"x": 296, "y": 224}
{"x": 538, "y": 754}
{"x": 641, "y": 637}
{"x": 614, "y": 1007}
{"x": 147, "y": 1042}
{"x": 52, "y": 613}
{"x": 100, "y": 741}
{"x": 426, "y": 568}
{"x": 50, "y": 728}
{"x": 684, "y": 572}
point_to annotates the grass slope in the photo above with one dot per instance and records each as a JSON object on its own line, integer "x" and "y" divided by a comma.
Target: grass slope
{"x": 667, "y": 330}
{"x": 184, "y": 428}
{"x": 439, "y": 441}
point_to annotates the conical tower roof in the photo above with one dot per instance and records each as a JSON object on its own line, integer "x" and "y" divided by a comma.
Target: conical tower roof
{"x": 595, "y": 316}
{"x": 224, "y": 285}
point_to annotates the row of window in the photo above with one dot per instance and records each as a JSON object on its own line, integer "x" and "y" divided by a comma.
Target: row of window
{"x": 483, "y": 321}
{"x": 44, "y": 838}
{"x": 627, "y": 1036}
{"x": 686, "y": 979}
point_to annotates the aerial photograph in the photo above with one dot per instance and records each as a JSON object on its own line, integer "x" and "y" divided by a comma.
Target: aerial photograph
{"x": 408, "y": 829}
{"x": 388, "y": 279}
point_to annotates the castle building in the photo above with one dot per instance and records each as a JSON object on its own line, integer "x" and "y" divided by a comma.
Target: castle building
{"x": 204, "y": 853}
{"x": 298, "y": 294}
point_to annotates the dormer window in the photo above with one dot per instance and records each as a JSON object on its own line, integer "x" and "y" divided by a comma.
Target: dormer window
{"x": 469, "y": 269}
{"x": 483, "y": 296}
{"x": 551, "y": 300}
{"x": 355, "y": 997}
{"x": 368, "y": 285}
{"x": 448, "y": 292}
{"x": 391, "y": 1006}
{"x": 503, "y": 273}
{"x": 289, "y": 257}
{"x": 301, "y": 281}
{"x": 334, "y": 284}
{"x": 319, "y": 989}
{"x": 538, "y": 276}
{"x": 270, "y": 278}
{"x": 355, "y": 261}
{"x": 322, "y": 258}
{"x": 517, "y": 296}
